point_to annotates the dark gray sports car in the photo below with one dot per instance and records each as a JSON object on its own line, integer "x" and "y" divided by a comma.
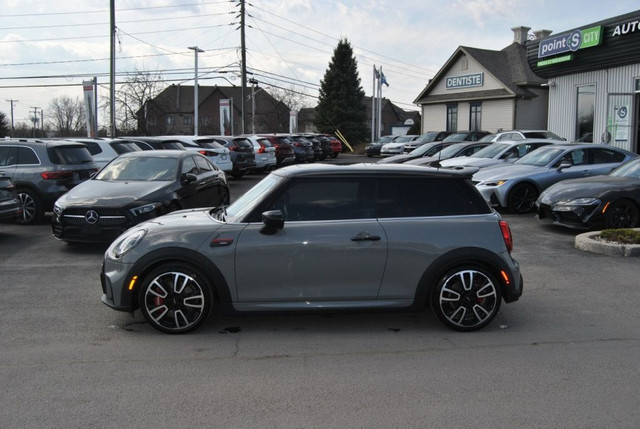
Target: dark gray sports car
{"x": 609, "y": 201}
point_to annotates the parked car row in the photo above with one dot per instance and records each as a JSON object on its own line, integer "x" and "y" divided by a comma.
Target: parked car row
{"x": 590, "y": 185}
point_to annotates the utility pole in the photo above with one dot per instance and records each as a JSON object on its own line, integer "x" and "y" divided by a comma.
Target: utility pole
{"x": 12, "y": 127}
{"x": 34, "y": 119}
{"x": 244, "y": 64}
{"x": 196, "y": 100}
{"x": 112, "y": 83}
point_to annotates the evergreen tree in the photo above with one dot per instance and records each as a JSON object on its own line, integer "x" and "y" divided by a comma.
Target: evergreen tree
{"x": 341, "y": 104}
{"x": 5, "y": 127}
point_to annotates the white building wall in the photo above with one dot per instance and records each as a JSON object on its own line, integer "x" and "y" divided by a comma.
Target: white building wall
{"x": 434, "y": 117}
{"x": 496, "y": 114}
{"x": 563, "y": 98}
{"x": 458, "y": 69}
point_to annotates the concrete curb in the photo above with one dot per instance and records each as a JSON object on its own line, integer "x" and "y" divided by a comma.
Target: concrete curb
{"x": 588, "y": 243}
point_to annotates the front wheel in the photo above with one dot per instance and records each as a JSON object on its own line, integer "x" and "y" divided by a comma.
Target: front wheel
{"x": 32, "y": 211}
{"x": 175, "y": 298}
{"x": 622, "y": 214}
{"x": 522, "y": 198}
{"x": 466, "y": 298}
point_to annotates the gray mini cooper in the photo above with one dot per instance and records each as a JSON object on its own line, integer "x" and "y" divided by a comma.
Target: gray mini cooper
{"x": 346, "y": 237}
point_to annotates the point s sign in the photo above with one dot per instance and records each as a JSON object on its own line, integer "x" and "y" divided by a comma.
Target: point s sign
{"x": 577, "y": 39}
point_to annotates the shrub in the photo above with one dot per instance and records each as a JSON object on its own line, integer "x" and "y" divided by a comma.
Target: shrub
{"x": 622, "y": 235}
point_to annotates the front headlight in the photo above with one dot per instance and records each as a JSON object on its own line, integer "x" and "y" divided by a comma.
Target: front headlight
{"x": 145, "y": 209}
{"x": 581, "y": 202}
{"x": 57, "y": 209}
{"x": 125, "y": 243}
{"x": 495, "y": 183}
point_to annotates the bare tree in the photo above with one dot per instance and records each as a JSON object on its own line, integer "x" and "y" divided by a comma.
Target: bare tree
{"x": 131, "y": 96}
{"x": 291, "y": 97}
{"x": 67, "y": 116}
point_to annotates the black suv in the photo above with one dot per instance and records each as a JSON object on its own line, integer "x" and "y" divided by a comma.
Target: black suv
{"x": 42, "y": 171}
{"x": 367, "y": 236}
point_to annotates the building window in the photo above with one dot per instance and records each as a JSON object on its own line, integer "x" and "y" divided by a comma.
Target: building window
{"x": 187, "y": 120}
{"x": 171, "y": 120}
{"x": 475, "y": 116}
{"x": 206, "y": 120}
{"x": 452, "y": 117}
{"x": 586, "y": 103}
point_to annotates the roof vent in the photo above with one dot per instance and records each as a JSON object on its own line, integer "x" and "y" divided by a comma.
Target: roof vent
{"x": 520, "y": 34}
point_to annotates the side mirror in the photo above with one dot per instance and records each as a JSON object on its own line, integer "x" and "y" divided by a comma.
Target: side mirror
{"x": 273, "y": 220}
{"x": 565, "y": 164}
{"x": 188, "y": 178}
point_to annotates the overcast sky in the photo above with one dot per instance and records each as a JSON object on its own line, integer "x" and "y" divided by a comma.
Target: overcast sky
{"x": 48, "y": 48}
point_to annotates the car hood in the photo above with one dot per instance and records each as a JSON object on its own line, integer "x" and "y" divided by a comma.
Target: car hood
{"x": 464, "y": 160}
{"x": 396, "y": 159}
{"x": 110, "y": 193}
{"x": 587, "y": 187}
{"x": 508, "y": 171}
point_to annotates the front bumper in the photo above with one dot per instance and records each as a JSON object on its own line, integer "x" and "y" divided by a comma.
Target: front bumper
{"x": 114, "y": 279}
{"x": 575, "y": 217}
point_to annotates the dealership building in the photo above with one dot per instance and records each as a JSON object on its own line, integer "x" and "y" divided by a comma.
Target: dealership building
{"x": 582, "y": 84}
{"x": 593, "y": 76}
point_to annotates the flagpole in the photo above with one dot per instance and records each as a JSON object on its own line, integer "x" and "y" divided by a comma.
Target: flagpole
{"x": 373, "y": 106}
{"x": 380, "y": 104}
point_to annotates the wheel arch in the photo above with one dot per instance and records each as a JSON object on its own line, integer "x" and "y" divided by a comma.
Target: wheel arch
{"x": 456, "y": 258}
{"x": 152, "y": 260}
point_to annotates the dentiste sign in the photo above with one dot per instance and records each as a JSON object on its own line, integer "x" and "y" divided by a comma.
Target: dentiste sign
{"x": 465, "y": 81}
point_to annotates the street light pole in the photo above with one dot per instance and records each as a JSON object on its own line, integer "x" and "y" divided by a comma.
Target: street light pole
{"x": 195, "y": 49}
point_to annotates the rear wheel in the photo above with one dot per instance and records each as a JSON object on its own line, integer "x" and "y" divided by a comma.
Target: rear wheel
{"x": 466, "y": 298}
{"x": 622, "y": 214}
{"x": 175, "y": 298}
{"x": 522, "y": 198}
{"x": 32, "y": 211}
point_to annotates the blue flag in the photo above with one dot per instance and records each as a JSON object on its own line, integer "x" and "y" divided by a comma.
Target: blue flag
{"x": 383, "y": 79}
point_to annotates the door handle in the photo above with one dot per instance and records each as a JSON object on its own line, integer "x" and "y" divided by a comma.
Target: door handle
{"x": 365, "y": 236}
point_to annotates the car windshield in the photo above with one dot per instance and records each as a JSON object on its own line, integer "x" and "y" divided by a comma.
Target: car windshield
{"x": 540, "y": 157}
{"x": 630, "y": 169}
{"x": 456, "y": 137}
{"x": 449, "y": 151}
{"x": 386, "y": 139}
{"x": 403, "y": 139}
{"x": 426, "y": 149}
{"x": 426, "y": 138}
{"x": 488, "y": 138}
{"x": 70, "y": 155}
{"x": 541, "y": 135}
{"x": 491, "y": 151}
{"x": 140, "y": 168}
{"x": 209, "y": 143}
{"x": 124, "y": 147}
{"x": 247, "y": 202}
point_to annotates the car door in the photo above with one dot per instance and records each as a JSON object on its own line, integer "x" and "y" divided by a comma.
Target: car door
{"x": 209, "y": 186}
{"x": 331, "y": 247}
{"x": 8, "y": 158}
{"x": 192, "y": 192}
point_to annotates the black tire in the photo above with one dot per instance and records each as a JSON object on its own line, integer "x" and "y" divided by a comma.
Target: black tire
{"x": 237, "y": 174}
{"x": 32, "y": 211}
{"x": 522, "y": 198}
{"x": 622, "y": 214}
{"x": 175, "y": 298}
{"x": 335, "y": 155}
{"x": 466, "y": 298}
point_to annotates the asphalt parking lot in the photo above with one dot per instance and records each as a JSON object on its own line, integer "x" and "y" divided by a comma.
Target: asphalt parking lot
{"x": 565, "y": 355}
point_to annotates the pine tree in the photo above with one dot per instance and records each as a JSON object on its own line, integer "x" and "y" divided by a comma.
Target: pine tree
{"x": 5, "y": 128}
{"x": 341, "y": 104}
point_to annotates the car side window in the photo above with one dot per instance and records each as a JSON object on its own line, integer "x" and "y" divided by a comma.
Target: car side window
{"x": 203, "y": 164}
{"x": 576, "y": 157}
{"x": 326, "y": 199}
{"x": 26, "y": 156}
{"x": 189, "y": 166}
{"x": 7, "y": 156}
{"x": 93, "y": 148}
{"x": 605, "y": 156}
{"x": 426, "y": 197}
